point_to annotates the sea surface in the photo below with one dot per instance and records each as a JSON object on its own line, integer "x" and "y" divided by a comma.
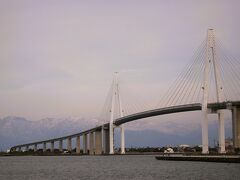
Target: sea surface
{"x": 137, "y": 167}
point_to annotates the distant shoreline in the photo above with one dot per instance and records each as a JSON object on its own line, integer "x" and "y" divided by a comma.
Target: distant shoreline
{"x": 202, "y": 158}
{"x": 116, "y": 154}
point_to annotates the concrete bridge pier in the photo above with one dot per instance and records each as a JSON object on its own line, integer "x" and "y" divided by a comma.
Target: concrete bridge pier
{"x": 78, "y": 145}
{"x": 52, "y": 146}
{"x": 236, "y": 127}
{"x": 35, "y": 147}
{"x": 85, "y": 144}
{"x": 98, "y": 142}
{"x": 122, "y": 139}
{"x": 69, "y": 144}
{"x": 91, "y": 143}
{"x": 103, "y": 132}
{"x": 105, "y": 140}
{"x": 205, "y": 131}
{"x": 106, "y": 144}
{"x": 221, "y": 132}
{"x": 44, "y": 147}
{"x": 61, "y": 145}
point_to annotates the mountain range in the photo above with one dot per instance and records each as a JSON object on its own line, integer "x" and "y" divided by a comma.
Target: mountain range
{"x": 18, "y": 130}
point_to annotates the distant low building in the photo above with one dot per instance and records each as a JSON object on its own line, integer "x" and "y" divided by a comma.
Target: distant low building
{"x": 169, "y": 150}
{"x": 228, "y": 142}
{"x": 183, "y": 146}
{"x": 229, "y": 145}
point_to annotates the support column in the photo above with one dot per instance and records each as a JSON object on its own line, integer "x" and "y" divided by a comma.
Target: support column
{"x": 69, "y": 144}
{"x": 103, "y": 140}
{"x": 205, "y": 132}
{"x": 236, "y": 127}
{"x": 98, "y": 142}
{"x": 122, "y": 140}
{"x": 27, "y": 148}
{"x": 106, "y": 141}
{"x": 52, "y": 146}
{"x": 221, "y": 132}
{"x": 61, "y": 145}
{"x": 78, "y": 145}
{"x": 35, "y": 147}
{"x": 85, "y": 144}
{"x": 111, "y": 139}
{"x": 91, "y": 145}
{"x": 44, "y": 147}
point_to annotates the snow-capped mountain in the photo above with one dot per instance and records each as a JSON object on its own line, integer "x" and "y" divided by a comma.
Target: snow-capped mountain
{"x": 17, "y": 130}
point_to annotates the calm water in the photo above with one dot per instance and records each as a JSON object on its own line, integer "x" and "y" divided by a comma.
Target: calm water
{"x": 111, "y": 167}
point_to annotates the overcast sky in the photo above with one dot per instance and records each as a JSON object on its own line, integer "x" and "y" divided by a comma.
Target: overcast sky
{"x": 57, "y": 57}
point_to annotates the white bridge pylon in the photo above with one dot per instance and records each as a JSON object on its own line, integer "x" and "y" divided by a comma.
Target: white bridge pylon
{"x": 211, "y": 64}
{"x": 212, "y": 60}
{"x": 116, "y": 97}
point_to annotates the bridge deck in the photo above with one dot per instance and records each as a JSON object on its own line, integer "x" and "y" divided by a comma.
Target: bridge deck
{"x": 157, "y": 112}
{"x": 144, "y": 114}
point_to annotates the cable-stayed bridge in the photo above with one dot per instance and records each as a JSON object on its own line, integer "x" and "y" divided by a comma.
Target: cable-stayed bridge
{"x": 210, "y": 83}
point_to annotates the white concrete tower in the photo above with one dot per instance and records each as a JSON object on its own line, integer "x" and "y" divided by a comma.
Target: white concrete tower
{"x": 219, "y": 93}
{"x": 121, "y": 115}
{"x": 205, "y": 99}
{"x": 211, "y": 58}
{"x": 116, "y": 97}
{"x": 111, "y": 128}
